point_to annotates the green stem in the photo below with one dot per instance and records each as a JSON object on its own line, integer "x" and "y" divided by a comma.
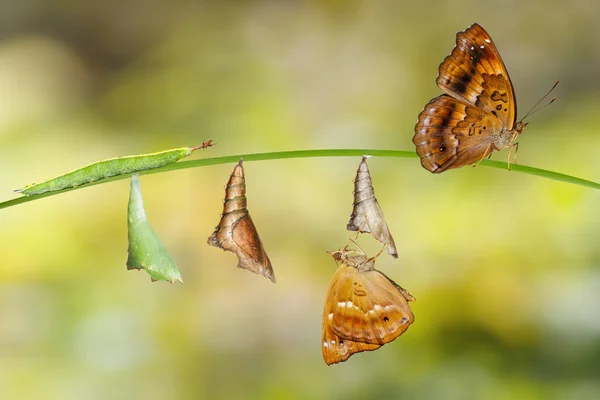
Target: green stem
{"x": 308, "y": 154}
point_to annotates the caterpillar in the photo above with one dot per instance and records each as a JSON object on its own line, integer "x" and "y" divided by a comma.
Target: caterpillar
{"x": 111, "y": 167}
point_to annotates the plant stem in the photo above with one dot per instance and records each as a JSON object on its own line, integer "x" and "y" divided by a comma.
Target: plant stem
{"x": 309, "y": 154}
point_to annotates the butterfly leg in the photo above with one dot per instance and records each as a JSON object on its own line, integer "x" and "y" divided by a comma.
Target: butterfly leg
{"x": 381, "y": 251}
{"x": 360, "y": 230}
{"x": 485, "y": 153}
{"x": 510, "y": 152}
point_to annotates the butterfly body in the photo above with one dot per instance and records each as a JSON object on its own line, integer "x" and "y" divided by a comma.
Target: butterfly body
{"x": 477, "y": 113}
{"x": 364, "y": 309}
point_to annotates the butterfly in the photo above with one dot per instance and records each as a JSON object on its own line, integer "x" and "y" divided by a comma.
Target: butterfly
{"x": 476, "y": 115}
{"x": 364, "y": 309}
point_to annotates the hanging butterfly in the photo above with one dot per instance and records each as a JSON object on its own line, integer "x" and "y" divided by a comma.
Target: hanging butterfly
{"x": 364, "y": 309}
{"x": 478, "y": 112}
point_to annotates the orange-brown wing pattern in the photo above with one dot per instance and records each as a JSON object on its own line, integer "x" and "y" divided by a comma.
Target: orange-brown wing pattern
{"x": 369, "y": 308}
{"x": 363, "y": 311}
{"x": 451, "y": 133}
{"x": 474, "y": 72}
{"x": 337, "y": 349}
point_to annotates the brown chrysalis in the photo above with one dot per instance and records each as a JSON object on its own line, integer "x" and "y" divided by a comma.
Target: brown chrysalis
{"x": 236, "y": 231}
{"x": 367, "y": 216}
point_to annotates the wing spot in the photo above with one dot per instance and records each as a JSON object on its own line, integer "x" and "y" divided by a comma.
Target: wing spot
{"x": 386, "y": 319}
{"x": 482, "y": 47}
{"x": 506, "y": 109}
{"x": 495, "y": 113}
{"x": 442, "y": 149}
{"x": 499, "y": 107}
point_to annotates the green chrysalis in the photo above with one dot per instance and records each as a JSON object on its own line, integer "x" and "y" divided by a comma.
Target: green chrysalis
{"x": 146, "y": 250}
{"x": 111, "y": 167}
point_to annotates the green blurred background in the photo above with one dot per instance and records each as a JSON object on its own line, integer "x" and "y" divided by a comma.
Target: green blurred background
{"x": 505, "y": 266}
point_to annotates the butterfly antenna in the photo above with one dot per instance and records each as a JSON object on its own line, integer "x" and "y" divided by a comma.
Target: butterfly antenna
{"x": 533, "y": 110}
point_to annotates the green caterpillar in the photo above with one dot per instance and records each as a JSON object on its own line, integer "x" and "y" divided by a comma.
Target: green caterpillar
{"x": 111, "y": 167}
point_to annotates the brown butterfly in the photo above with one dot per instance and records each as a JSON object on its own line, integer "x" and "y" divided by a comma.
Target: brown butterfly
{"x": 364, "y": 309}
{"x": 367, "y": 215}
{"x": 236, "y": 231}
{"x": 478, "y": 113}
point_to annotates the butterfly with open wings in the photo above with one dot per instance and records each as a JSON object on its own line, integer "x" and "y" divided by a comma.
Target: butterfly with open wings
{"x": 478, "y": 112}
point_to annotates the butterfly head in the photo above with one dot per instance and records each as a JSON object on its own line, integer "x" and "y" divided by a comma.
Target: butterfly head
{"x": 519, "y": 126}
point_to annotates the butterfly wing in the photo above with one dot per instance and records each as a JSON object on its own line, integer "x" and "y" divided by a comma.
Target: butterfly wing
{"x": 335, "y": 348}
{"x": 475, "y": 73}
{"x": 370, "y": 308}
{"x": 363, "y": 311}
{"x": 451, "y": 133}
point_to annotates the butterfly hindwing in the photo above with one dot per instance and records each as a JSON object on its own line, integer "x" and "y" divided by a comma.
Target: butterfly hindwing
{"x": 364, "y": 310}
{"x": 376, "y": 311}
{"x": 450, "y": 133}
{"x": 335, "y": 348}
{"x": 474, "y": 72}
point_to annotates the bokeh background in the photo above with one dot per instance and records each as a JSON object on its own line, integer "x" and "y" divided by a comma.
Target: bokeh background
{"x": 505, "y": 266}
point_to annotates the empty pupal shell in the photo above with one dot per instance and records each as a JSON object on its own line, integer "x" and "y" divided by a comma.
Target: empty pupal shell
{"x": 146, "y": 250}
{"x": 236, "y": 231}
{"x": 367, "y": 215}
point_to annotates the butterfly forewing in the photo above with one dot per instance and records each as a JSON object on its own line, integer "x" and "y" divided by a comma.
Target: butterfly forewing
{"x": 451, "y": 133}
{"x": 474, "y": 72}
{"x": 477, "y": 115}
